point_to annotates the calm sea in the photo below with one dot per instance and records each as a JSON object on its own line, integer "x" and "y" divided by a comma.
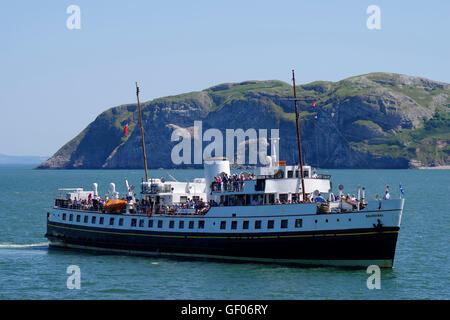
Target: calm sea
{"x": 30, "y": 270}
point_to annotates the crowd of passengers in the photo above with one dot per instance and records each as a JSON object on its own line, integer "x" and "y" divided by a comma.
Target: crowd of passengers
{"x": 233, "y": 182}
{"x": 200, "y": 206}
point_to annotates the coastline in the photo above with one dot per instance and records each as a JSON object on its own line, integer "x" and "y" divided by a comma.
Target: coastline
{"x": 435, "y": 168}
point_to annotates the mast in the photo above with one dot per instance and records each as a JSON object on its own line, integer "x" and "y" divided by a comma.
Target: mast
{"x": 142, "y": 133}
{"x": 299, "y": 143}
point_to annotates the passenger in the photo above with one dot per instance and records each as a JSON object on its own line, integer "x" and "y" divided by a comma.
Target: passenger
{"x": 314, "y": 175}
{"x": 331, "y": 197}
{"x": 225, "y": 182}
{"x": 219, "y": 181}
{"x": 319, "y": 198}
{"x": 387, "y": 196}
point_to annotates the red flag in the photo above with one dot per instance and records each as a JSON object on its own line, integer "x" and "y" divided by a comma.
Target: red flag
{"x": 125, "y": 130}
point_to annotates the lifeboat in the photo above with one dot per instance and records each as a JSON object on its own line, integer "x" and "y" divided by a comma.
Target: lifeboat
{"x": 115, "y": 205}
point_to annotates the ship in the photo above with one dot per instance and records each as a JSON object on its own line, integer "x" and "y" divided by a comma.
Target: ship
{"x": 276, "y": 213}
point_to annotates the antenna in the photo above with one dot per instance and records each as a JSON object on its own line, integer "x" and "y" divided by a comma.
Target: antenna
{"x": 142, "y": 133}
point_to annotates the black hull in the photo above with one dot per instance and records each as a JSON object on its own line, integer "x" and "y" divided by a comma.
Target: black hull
{"x": 355, "y": 247}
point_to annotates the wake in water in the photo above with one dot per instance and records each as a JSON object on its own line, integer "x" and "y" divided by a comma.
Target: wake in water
{"x": 15, "y": 246}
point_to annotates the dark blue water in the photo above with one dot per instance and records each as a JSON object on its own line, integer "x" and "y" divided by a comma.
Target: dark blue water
{"x": 29, "y": 270}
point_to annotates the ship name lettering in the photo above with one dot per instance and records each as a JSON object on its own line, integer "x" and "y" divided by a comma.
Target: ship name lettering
{"x": 373, "y": 215}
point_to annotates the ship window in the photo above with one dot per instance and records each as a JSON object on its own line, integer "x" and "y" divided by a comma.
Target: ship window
{"x": 93, "y": 219}
{"x": 64, "y": 216}
{"x": 86, "y": 218}
{"x": 290, "y": 174}
{"x": 223, "y": 224}
{"x": 133, "y": 222}
{"x": 233, "y": 224}
{"x": 160, "y": 223}
{"x": 270, "y": 224}
{"x": 284, "y": 224}
{"x": 245, "y": 224}
{"x": 305, "y": 173}
{"x": 183, "y": 199}
{"x": 121, "y": 222}
{"x": 150, "y": 223}
{"x": 283, "y": 197}
{"x": 191, "y": 224}
{"x": 101, "y": 220}
{"x": 297, "y": 173}
{"x": 141, "y": 223}
{"x": 298, "y": 223}
{"x": 171, "y": 224}
{"x": 70, "y": 217}
{"x": 258, "y": 224}
{"x": 111, "y": 221}
{"x": 260, "y": 185}
{"x": 181, "y": 224}
{"x": 201, "y": 224}
{"x": 78, "y": 218}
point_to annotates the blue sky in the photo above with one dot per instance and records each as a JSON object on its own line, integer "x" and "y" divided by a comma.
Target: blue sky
{"x": 55, "y": 81}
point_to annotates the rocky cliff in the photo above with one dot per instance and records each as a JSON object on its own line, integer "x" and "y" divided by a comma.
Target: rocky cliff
{"x": 377, "y": 120}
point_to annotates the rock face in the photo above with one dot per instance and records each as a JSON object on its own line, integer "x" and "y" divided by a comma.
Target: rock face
{"x": 378, "y": 120}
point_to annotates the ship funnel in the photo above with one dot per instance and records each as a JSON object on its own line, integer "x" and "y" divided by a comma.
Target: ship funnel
{"x": 213, "y": 167}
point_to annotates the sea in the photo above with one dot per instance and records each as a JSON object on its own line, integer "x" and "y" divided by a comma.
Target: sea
{"x": 29, "y": 269}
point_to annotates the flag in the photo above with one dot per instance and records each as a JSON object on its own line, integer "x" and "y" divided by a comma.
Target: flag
{"x": 401, "y": 189}
{"x": 126, "y": 130}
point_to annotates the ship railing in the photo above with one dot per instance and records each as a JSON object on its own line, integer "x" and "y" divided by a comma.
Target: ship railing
{"x": 157, "y": 188}
{"x": 229, "y": 186}
{"x": 76, "y": 205}
{"x": 174, "y": 210}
